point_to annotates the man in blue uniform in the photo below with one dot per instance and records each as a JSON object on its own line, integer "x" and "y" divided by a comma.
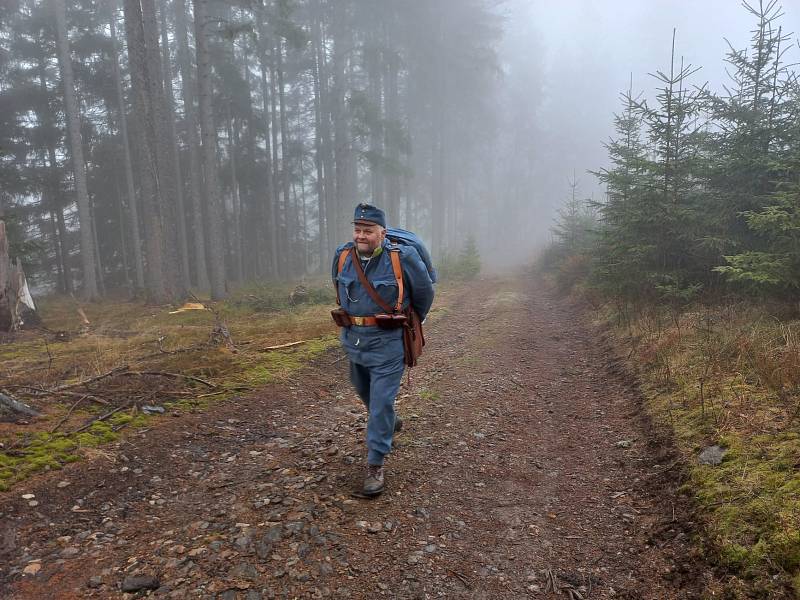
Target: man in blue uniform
{"x": 376, "y": 354}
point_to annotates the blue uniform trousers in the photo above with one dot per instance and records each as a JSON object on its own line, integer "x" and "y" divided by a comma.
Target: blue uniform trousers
{"x": 376, "y": 370}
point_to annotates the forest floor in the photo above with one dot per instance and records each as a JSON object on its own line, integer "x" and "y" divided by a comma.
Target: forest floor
{"x": 525, "y": 469}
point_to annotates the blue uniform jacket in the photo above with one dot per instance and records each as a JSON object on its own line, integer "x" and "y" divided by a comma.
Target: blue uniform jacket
{"x": 371, "y": 345}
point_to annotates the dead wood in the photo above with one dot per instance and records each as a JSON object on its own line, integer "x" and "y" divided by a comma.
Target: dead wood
{"x": 162, "y": 352}
{"x": 15, "y": 298}
{"x": 100, "y": 418}
{"x": 114, "y": 371}
{"x": 280, "y": 346}
{"x": 467, "y": 583}
{"x": 69, "y": 412}
{"x": 220, "y": 331}
{"x": 173, "y": 375}
{"x": 12, "y": 408}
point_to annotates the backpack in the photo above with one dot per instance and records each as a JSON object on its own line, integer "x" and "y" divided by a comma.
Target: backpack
{"x": 407, "y": 238}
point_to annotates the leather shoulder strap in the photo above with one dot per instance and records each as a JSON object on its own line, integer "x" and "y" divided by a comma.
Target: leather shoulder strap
{"x": 367, "y": 285}
{"x": 398, "y": 275}
{"x": 342, "y": 259}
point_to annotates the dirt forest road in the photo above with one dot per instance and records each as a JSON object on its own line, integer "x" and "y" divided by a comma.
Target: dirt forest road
{"x": 524, "y": 471}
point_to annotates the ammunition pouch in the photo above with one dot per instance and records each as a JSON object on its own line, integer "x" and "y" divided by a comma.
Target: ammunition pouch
{"x": 340, "y": 317}
{"x": 387, "y": 321}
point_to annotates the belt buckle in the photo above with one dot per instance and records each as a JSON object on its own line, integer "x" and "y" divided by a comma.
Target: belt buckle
{"x": 357, "y": 321}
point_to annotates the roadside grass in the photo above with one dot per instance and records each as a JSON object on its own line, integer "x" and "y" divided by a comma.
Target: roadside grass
{"x": 149, "y": 338}
{"x": 731, "y": 376}
{"x": 146, "y": 338}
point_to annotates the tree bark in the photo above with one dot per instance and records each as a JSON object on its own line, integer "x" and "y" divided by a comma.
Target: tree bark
{"x": 325, "y": 137}
{"x": 343, "y": 151}
{"x": 52, "y": 186}
{"x": 289, "y": 216}
{"x": 392, "y": 177}
{"x": 172, "y": 140}
{"x": 166, "y": 185}
{"x": 209, "y": 153}
{"x": 7, "y": 297}
{"x": 76, "y": 151}
{"x": 236, "y": 198}
{"x": 319, "y": 159}
{"x": 145, "y": 149}
{"x": 280, "y": 199}
{"x": 372, "y": 60}
{"x": 193, "y": 143}
{"x": 252, "y": 208}
{"x": 270, "y": 199}
{"x": 130, "y": 189}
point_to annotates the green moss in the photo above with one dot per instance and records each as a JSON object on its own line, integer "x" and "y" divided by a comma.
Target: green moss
{"x": 750, "y": 502}
{"x": 796, "y": 585}
{"x": 272, "y": 365}
{"x": 98, "y": 433}
{"x": 429, "y": 395}
{"x": 734, "y": 555}
{"x": 126, "y": 333}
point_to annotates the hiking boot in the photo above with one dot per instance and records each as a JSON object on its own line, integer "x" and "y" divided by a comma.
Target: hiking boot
{"x": 398, "y": 424}
{"x": 373, "y": 484}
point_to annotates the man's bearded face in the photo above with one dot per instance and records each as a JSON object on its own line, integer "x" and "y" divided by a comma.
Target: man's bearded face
{"x": 367, "y": 237}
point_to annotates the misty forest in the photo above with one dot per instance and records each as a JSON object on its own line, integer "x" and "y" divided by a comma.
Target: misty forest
{"x": 608, "y": 403}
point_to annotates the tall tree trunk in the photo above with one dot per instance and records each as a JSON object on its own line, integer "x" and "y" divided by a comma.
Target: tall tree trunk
{"x": 324, "y": 134}
{"x": 304, "y": 218}
{"x": 270, "y": 199}
{"x": 64, "y": 281}
{"x": 166, "y": 186}
{"x": 392, "y": 177}
{"x": 319, "y": 162}
{"x": 193, "y": 143}
{"x": 251, "y": 212}
{"x": 145, "y": 150}
{"x": 123, "y": 245}
{"x": 61, "y": 224}
{"x": 101, "y": 285}
{"x": 236, "y": 198}
{"x": 209, "y": 143}
{"x": 90, "y": 289}
{"x": 280, "y": 198}
{"x": 130, "y": 190}
{"x": 343, "y": 151}
{"x": 172, "y": 140}
{"x": 439, "y": 157}
{"x": 290, "y": 216}
{"x": 372, "y": 59}
{"x": 52, "y": 190}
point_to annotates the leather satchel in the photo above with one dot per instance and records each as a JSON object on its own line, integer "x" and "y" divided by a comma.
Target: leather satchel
{"x": 413, "y": 338}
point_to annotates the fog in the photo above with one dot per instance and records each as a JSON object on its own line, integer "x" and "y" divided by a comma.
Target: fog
{"x": 568, "y": 62}
{"x": 255, "y": 130}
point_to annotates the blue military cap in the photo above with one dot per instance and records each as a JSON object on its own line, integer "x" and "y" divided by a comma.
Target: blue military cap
{"x": 370, "y": 214}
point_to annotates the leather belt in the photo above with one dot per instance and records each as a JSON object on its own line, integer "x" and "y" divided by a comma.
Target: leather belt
{"x": 363, "y": 321}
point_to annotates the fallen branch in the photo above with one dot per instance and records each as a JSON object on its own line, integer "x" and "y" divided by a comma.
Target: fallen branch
{"x": 102, "y": 417}
{"x": 225, "y": 391}
{"x": 280, "y": 346}
{"x": 114, "y": 371}
{"x": 69, "y": 412}
{"x": 88, "y": 396}
{"x": 173, "y": 375}
{"x": 162, "y": 352}
{"x": 461, "y": 578}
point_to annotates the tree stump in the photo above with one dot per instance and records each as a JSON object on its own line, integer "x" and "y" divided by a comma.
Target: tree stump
{"x": 14, "y": 294}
